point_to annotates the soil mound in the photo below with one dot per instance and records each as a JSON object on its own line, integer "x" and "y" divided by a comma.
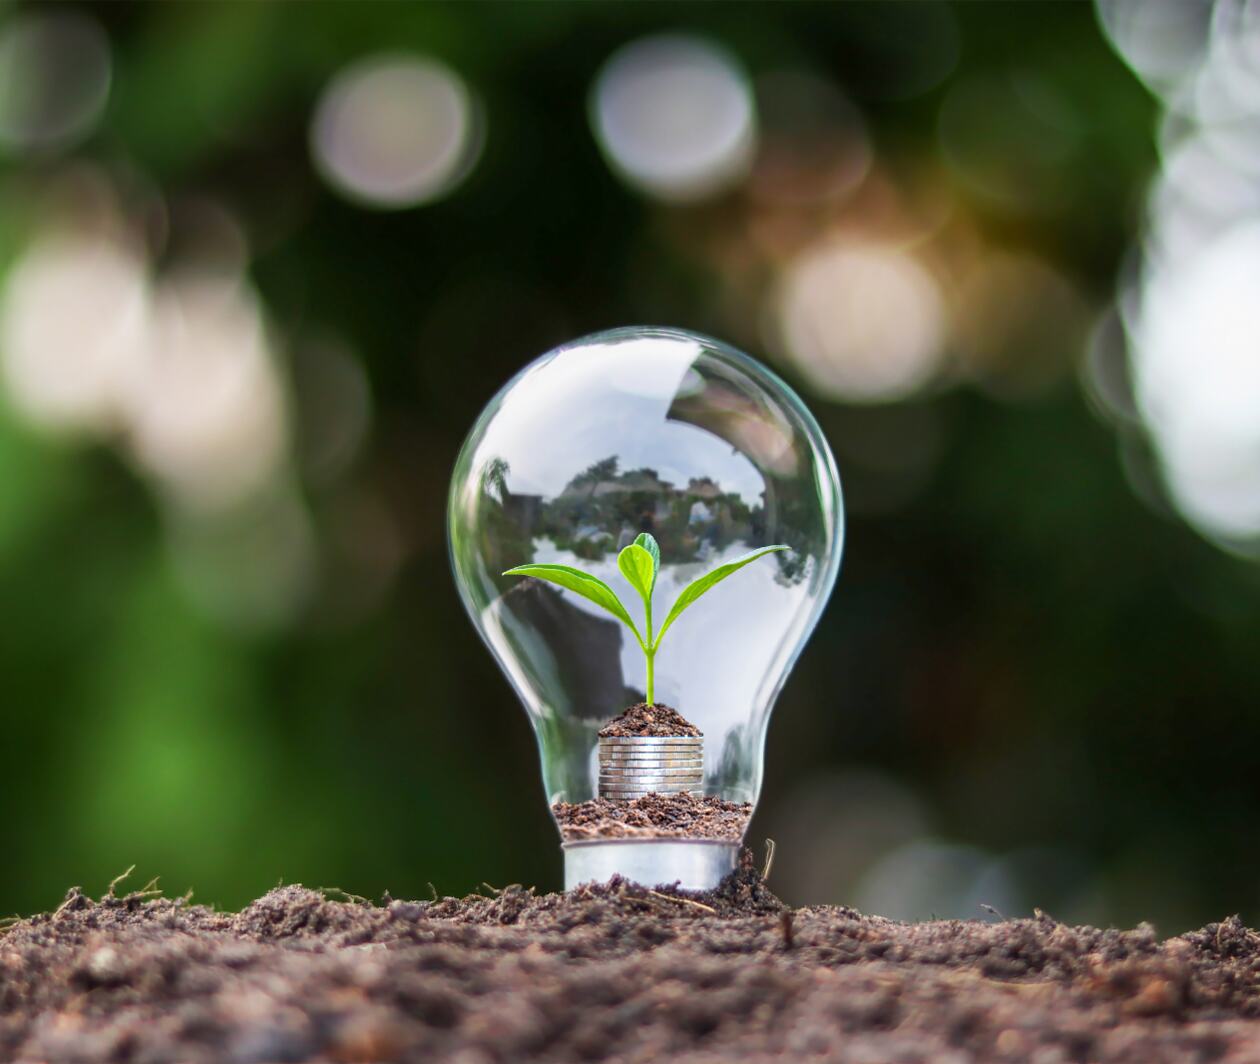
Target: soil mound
{"x": 649, "y": 719}
{"x": 616, "y": 973}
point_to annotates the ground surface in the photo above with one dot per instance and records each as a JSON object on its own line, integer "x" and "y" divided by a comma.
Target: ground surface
{"x": 615, "y": 973}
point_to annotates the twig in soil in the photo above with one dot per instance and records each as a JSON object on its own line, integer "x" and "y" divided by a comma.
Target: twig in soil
{"x": 788, "y": 940}
{"x": 331, "y": 892}
{"x": 498, "y": 892}
{"x": 433, "y": 889}
{"x": 765, "y": 869}
{"x": 113, "y": 883}
{"x": 683, "y": 901}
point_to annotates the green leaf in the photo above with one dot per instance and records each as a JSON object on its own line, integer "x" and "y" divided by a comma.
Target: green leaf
{"x": 645, "y": 540}
{"x": 589, "y": 587}
{"x": 636, "y": 566}
{"x": 702, "y": 584}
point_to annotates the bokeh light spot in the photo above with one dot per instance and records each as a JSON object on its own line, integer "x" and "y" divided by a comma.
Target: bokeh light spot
{"x": 206, "y": 410}
{"x": 55, "y": 74}
{"x": 675, "y": 117}
{"x": 396, "y": 131}
{"x": 1198, "y": 381}
{"x": 863, "y": 322}
{"x": 72, "y": 323}
{"x": 1161, "y": 40}
{"x": 1020, "y": 323}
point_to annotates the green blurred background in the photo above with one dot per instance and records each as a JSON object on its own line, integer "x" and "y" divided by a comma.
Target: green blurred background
{"x": 263, "y": 264}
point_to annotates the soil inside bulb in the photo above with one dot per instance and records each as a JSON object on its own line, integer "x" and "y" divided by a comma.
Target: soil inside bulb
{"x": 652, "y": 815}
{"x": 662, "y": 816}
{"x": 656, "y": 719}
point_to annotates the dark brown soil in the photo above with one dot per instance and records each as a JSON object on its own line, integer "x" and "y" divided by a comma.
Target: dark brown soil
{"x": 670, "y": 816}
{"x": 654, "y": 719}
{"x": 616, "y": 973}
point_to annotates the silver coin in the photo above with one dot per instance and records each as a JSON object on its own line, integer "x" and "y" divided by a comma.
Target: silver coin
{"x": 630, "y": 762}
{"x": 635, "y": 777}
{"x": 621, "y": 739}
{"x": 651, "y": 751}
{"x": 658, "y": 788}
{"x": 650, "y": 785}
{"x": 655, "y": 752}
{"x": 651, "y": 755}
{"x": 641, "y": 782}
{"x": 633, "y": 762}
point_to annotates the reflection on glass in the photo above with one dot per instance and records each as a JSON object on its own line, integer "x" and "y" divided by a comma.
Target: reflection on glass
{"x": 670, "y": 433}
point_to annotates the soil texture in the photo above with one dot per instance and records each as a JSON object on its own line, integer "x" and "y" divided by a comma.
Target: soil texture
{"x": 662, "y": 816}
{"x": 614, "y": 973}
{"x": 649, "y": 719}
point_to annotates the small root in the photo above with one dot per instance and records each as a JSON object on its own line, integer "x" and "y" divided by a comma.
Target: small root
{"x": 113, "y": 883}
{"x": 683, "y": 901}
{"x": 765, "y": 869}
{"x": 496, "y": 892}
{"x": 337, "y": 894}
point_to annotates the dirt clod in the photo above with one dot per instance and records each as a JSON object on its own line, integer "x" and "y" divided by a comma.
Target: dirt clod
{"x": 662, "y": 816}
{"x": 615, "y": 972}
{"x": 656, "y": 719}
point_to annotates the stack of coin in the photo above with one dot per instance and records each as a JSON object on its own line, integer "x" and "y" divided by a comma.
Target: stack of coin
{"x": 631, "y": 766}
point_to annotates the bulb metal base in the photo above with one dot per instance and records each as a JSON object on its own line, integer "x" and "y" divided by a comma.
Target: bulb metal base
{"x": 694, "y": 864}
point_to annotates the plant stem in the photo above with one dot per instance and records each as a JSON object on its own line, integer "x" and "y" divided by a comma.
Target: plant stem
{"x": 649, "y": 652}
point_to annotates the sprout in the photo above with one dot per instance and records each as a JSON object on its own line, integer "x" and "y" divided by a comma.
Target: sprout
{"x": 639, "y": 563}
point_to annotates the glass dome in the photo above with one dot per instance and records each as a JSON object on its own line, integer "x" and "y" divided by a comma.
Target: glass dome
{"x": 646, "y": 430}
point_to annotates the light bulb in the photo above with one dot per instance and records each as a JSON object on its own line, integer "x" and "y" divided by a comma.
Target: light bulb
{"x": 682, "y": 443}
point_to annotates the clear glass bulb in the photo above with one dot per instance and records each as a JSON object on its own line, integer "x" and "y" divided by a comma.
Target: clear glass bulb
{"x": 661, "y": 431}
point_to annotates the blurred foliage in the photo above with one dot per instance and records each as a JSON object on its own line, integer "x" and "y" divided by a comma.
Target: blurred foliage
{"x": 1016, "y": 636}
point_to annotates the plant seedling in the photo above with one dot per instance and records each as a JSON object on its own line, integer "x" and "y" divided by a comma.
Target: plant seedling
{"x": 639, "y": 563}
